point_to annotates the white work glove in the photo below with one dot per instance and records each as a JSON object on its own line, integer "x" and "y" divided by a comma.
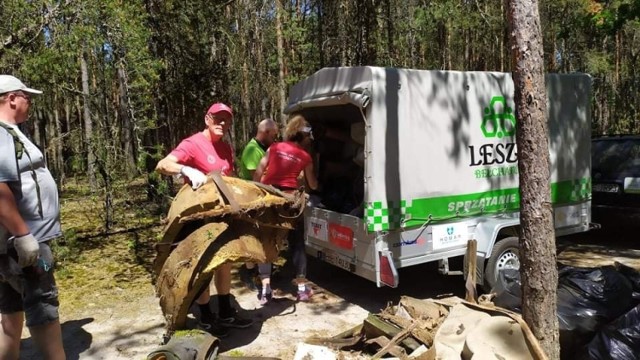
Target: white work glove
{"x": 196, "y": 177}
{"x": 28, "y": 250}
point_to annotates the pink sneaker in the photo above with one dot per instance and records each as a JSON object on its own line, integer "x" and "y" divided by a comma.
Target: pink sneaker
{"x": 305, "y": 295}
{"x": 265, "y": 297}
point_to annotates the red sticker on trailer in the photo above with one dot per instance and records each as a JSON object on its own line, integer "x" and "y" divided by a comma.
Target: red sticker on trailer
{"x": 341, "y": 236}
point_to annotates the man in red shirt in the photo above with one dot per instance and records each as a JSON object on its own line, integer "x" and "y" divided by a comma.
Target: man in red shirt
{"x": 195, "y": 156}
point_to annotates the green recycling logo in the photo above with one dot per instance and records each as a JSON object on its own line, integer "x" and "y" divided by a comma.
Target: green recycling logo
{"x": 498, "y": 120}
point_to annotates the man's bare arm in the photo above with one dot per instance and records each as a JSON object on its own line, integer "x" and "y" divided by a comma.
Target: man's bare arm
{"x": 264, "y": 162}
{"x": 169, "y": 166}
{"x": 10, "y": 217}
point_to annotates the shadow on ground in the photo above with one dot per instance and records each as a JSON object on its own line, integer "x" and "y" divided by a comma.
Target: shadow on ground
{"x": 278, "y": 307}
{"x": 76, "y": 341}
{"x": 600, "y": 247}
{"x": 419, "y": 281}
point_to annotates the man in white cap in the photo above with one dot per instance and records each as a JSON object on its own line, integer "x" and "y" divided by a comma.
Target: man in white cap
{"x": 29, "y": 220}
{"x": 195, "y": 156}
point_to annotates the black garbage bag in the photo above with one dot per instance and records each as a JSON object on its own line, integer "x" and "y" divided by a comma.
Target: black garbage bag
{"x": 619, "y": 340}
{"x": 634, "y": 277}
{"x": 337, "y": 194}
{"x": 589, "y": 298}
{"x": 508, "y": 290}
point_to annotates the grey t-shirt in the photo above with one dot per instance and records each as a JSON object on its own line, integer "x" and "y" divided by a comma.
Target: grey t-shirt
{"x": 23, "y": 186}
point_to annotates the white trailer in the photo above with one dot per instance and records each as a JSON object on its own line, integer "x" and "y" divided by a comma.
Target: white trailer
{"x": 437, "y": 166}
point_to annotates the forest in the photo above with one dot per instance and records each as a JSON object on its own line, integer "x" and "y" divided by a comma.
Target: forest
{"x": 125, "y": 80}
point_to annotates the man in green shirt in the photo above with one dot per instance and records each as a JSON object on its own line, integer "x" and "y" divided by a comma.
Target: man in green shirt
{"x": 257, "y": 147}
{"x": 251, "y": 156}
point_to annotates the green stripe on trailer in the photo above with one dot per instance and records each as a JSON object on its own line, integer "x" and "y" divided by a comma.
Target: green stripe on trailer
{"x": 390, "y": 215}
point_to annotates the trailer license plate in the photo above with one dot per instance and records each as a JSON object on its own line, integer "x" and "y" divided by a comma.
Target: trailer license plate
{"x": 341, "y": 261}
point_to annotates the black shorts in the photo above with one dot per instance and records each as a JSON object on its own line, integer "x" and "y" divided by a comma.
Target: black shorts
{"x": 39, "y": 300}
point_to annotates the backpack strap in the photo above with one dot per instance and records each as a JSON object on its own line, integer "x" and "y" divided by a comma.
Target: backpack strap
{"x": 17, "y": 143}
{"x": 20, "y": 150}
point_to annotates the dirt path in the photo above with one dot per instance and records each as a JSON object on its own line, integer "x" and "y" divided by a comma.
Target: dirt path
{"x": 134, "y": 329}
{"x": 131, "y": 329}
{"x": 133, "y": 325}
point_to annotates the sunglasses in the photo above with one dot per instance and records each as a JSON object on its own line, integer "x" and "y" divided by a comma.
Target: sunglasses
{"x": 218, "y": 120}
{"x": 19, "y": 94}
{"x": 25, "y": 96}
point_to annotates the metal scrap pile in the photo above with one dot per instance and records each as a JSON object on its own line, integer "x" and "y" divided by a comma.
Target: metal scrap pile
{"x": 227, "y": 220}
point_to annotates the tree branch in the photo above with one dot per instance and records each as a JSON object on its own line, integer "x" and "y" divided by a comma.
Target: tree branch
{"x": 24, "y": 32}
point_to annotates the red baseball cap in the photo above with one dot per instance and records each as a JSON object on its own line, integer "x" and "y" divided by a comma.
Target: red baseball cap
{"x": 219, "y": 107}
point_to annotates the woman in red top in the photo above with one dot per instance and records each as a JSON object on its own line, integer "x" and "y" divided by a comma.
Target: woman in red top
{"x": 283, "y": 163}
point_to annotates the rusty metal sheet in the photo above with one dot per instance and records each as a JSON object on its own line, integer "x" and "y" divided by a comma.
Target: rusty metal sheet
{"x": 208, "y": 202}
{"x": 180, "y": 279}
{"x": 204, "y": 231}
{"x": 248, "y": 244}
{"x": 190, "y": 267}
{"x": 257, "y": 205}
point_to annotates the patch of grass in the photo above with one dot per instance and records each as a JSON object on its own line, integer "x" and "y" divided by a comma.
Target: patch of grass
{"x": 235, "y": 353}
{"x": 66, "y": 247}
{"x": 98, "y": 267}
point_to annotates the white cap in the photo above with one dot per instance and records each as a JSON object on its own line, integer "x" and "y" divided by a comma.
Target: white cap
{"x": 10, "y": 83}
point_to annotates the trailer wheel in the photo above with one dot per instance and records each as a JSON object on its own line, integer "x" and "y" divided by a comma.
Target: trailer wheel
{"x": 505, "y": 255}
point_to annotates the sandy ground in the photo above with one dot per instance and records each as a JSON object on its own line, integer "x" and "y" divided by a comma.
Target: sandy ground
{"x": 130, "y": 329}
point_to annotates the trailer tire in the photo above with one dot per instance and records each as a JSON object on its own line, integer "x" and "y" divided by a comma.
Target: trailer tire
{"x": 505, "y": 255}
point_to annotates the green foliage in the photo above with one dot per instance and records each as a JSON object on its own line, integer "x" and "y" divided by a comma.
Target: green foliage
{"x": 155, "y": 66}
{"x": 66, "y": 248}
{"x": 133, "y": 244}
{"x": 598, "y": 63}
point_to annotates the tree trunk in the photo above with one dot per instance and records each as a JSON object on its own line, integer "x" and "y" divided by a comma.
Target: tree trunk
{"x": 391, "y": 51}
{"x": 537, "y": 240}
{"x": 246, "y": 57}
{"x": 281, "y": 66}
{"x": 260, "y": 83}
{"x": 59, "y": 160}
{"x": 128, "y": 143}
{"x": 320, "y": 36}
{"x": 88, "y": 123}
{"x": 502, "y": 38}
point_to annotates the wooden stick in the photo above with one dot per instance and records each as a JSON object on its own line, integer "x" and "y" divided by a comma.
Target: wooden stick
{"x": 470, "y": 284}
{"x": 395, "y": 340}
{"x": 374, "y": 326}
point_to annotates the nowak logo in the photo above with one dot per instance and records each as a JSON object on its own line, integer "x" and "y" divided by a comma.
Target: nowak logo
{"x": 498, "y": 120}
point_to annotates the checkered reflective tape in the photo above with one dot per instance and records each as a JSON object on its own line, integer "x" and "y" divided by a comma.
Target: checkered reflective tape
{"x": 569, "y": 191}
{"x": 581, "y": 190}
{"x": 386, "y": 215}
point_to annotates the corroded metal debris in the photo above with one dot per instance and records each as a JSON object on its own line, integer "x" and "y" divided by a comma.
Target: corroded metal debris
{"x": 225, "y": 220}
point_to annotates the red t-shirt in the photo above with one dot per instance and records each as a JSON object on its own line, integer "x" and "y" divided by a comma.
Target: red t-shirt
{"x": 286, "y": 161}
{"x": 200, "y": 153}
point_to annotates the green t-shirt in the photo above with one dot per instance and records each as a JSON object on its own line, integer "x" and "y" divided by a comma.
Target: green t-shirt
{"x": 251, "y": 156}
